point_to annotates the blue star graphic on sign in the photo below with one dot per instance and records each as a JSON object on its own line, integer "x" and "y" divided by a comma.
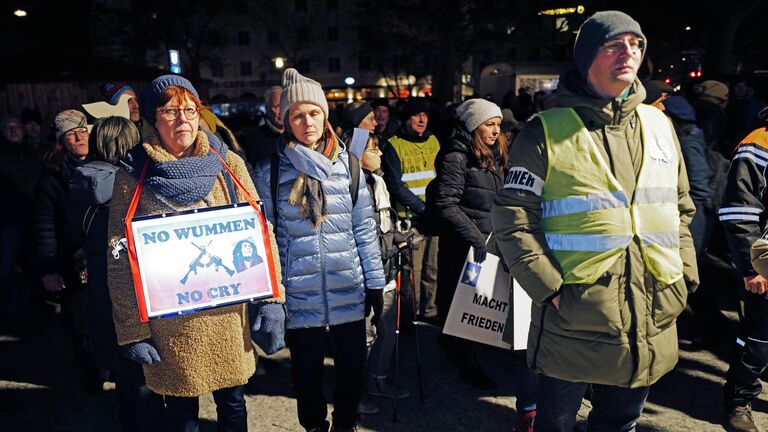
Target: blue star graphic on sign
{"x": 471, "y": 274}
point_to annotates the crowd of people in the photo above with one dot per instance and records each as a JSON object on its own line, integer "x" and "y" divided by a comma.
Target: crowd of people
{"x": 604, "y": 200}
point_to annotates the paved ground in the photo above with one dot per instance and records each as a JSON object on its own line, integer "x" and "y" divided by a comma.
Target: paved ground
{"x": 39, "y": 391}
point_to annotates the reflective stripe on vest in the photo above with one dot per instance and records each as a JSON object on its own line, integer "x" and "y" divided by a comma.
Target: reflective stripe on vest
{"x": 586, "y": 216}
{"x": 417, "y": 164}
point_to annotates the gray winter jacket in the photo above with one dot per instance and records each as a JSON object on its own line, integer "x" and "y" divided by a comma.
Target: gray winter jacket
{"x": 325, "y": 270}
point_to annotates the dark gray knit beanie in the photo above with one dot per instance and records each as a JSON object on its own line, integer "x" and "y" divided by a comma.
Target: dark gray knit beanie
{"x": 597, "y": 30}
{"x": 151, "y": 94}
{"x": 354, "y": 114}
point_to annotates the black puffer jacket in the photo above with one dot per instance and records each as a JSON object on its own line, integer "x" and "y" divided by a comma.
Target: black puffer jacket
{"x": 462, "y": 203}
{"x": 56, "y": 243}
{"x": 87, "y": 212}
{"x": 465, "y": 191}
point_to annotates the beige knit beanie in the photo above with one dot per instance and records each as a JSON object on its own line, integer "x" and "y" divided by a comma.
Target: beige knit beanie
{"x": 298, "y": 89}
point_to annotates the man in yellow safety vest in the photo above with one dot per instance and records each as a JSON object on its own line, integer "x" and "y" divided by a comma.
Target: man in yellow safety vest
{"x": 593, "y": 224}
{"x": 408, "y": 161}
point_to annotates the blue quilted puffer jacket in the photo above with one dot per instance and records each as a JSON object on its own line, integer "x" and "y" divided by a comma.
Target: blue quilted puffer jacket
{"x": 325, "y": 270}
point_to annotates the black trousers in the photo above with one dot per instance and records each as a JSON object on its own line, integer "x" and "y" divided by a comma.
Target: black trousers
{"x": 742, "y": 380}
{"x": 140, "y": 409}
{"x": 182, "y": 412}
{"x": 307, "y": 354}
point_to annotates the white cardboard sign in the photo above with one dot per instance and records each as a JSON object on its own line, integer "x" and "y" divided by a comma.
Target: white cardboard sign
{"x": 481, "y": 304}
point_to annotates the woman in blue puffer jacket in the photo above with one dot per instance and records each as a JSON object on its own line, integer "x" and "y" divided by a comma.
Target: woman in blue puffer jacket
{"x": 329, "y": 251}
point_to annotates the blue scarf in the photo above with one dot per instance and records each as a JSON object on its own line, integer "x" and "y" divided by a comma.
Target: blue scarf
{"x": 185, "y": 180}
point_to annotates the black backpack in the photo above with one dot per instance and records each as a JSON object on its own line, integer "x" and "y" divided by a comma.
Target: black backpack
{"x": 354, "y": 184}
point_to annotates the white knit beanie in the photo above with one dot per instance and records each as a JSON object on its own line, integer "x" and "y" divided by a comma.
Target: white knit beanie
{"x": 298, "y": 89}
{"x": 475, "y": 112}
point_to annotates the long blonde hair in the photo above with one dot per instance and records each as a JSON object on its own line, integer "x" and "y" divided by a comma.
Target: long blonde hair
{"x": 484, "y": 154}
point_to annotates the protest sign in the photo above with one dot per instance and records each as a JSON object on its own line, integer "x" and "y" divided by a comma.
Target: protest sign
{"x": 481, "y": 304}
{"x": 201, "y": 259}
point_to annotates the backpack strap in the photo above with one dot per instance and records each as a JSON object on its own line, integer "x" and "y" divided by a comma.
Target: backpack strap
{"x": 354, "y": 172}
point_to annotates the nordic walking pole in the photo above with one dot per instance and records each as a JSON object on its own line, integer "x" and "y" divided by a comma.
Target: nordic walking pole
{"x": 411, "y": 247}
{"x": 397, "y": 334}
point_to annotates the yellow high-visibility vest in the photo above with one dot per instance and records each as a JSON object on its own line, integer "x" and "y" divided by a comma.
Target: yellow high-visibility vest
{"x": 586, "y": 216}
{"x": 417, "y": 164}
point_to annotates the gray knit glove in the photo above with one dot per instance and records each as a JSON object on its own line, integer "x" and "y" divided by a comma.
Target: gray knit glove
{"x": 142, "y": 352}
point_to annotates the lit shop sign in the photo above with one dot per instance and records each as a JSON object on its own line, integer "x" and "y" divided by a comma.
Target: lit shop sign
{"x": 563, "y": 11}
{"x": 175, "y": 61}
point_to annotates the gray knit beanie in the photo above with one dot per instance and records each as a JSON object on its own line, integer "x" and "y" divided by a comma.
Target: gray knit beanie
{"x": 151, "y": 94}
{"x": 475, "y": 112}
{"x": 597, "y": 30}
{"x": 298, "y": 89}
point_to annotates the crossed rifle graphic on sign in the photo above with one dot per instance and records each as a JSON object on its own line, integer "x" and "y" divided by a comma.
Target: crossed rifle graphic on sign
{"x": 204, "y": 260}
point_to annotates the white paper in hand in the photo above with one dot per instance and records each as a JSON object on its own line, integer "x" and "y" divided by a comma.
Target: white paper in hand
{"x": 359, "y": 140}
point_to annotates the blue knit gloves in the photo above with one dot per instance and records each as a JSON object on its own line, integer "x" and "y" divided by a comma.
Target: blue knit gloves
{"x": 267, "y": 326}
{"x": 142, "y": 352}
{"x": 266, "y": 317}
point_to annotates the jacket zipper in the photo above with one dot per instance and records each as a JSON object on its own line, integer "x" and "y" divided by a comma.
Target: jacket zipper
{"x": 616, "y": 111}
{"x": 538, "y": 338}
{"x": 322, "y": 270}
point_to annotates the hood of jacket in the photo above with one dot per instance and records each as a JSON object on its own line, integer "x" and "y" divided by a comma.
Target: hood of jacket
{"x": 93, "y": 182}
{"x": 573, "y": 92}
{"x": 461, "y": 140}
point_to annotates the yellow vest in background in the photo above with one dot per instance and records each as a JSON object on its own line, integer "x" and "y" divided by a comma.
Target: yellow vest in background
{"x": 586, "y": 216}
{"x": 417, "y": 163}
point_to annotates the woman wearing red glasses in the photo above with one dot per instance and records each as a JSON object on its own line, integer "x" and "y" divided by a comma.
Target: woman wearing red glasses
{"x": 185, "y": 356}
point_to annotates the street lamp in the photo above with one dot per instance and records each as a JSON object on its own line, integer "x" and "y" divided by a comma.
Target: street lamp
{"x": 279, "y": 62}
{"x": 21, "y": 13}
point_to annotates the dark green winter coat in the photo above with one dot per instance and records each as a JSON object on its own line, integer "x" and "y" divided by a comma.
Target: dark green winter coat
{"x": 621, "y": 329}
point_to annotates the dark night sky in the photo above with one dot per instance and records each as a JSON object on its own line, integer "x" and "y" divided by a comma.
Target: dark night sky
{"x": 57, "y": 28}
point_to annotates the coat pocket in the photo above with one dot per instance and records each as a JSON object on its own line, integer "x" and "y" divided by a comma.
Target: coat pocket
{"x": 591, "y": 307}
{"x": 668, "y": 302}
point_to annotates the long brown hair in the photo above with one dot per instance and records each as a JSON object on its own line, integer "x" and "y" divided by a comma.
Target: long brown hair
{"x": 54, "y": 154}
{"x": 484, "y": 154}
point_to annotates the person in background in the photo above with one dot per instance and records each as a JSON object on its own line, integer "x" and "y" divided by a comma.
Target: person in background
{"x": 656, "y": 92}
{"x": 19, "y": 171}
{"x": 386, "y": 119}
{"x": 711, "y": 100}
{"x": 330, "y": 253}
{"x": 379, "y": 333}
{"x": 63, "y": 272}
{"x": 88, "y": 203}
{"x": 33, "y": 128}
{"x": 743, "y": 217}
{"x": 470, "y": 173}
{"x": 593, "y": 222}
{"x": 186, "y": 356}
{"x": 358, "y": 115}
{"x": 112, "y": 91}
{"x": 714, "y": 328}
{"x": 262, "y": 142}
{"x": 409, "y": 166}
{"x": 510, "y": 127}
